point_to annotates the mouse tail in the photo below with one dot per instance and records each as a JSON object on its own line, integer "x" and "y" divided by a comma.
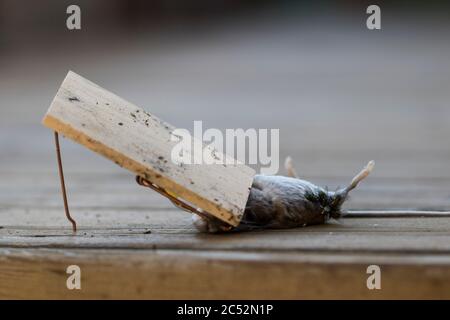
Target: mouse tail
{"x": 339, "y": 197}
{"x": 359, "y": 177}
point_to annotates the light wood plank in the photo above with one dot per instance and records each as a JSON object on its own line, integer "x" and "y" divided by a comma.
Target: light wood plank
{"x": 141, "y": 143}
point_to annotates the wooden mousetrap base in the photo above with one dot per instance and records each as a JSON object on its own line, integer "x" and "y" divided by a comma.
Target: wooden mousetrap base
{"x": 142, "y": 143}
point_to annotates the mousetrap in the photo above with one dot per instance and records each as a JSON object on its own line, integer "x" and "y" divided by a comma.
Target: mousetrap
{"x": 140, "y": 142}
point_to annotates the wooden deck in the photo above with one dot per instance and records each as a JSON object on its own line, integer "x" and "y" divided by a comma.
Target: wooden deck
{"x": 133, "y": 243}
{"x": 339, "y": 99}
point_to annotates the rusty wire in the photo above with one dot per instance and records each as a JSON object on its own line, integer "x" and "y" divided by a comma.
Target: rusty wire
{"x": 142, "y": 181}
{"x": 177, "y": 202}
{"x": 63, "y": 185}
{"x": 182, "y": 204}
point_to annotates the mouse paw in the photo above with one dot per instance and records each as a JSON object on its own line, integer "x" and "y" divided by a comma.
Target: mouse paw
{"x": 207, "y": 225}
{"x": 204, "y": 225}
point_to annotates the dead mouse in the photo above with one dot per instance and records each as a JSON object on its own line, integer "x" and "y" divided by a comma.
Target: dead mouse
{"x": 278, "y": 202}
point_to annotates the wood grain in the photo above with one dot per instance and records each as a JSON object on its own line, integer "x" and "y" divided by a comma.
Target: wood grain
{"x": 137, "y": 274}
{"x": 142, "y": 143}
{"x": 419, "y": 236}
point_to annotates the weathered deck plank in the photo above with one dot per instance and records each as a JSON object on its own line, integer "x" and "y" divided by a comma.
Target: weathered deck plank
{"x": 128, "y": 274}
{"x": 427, "y": 235}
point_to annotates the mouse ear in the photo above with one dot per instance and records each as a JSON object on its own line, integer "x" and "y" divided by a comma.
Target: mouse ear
{"x": 290, "y": 168}
{"x": 360, "y": 176}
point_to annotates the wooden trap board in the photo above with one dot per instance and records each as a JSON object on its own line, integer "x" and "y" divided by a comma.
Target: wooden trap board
{"x": 140, "y": 142}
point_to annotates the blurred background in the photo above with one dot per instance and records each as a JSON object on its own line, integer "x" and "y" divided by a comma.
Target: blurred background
{"x": 339, "y": 93}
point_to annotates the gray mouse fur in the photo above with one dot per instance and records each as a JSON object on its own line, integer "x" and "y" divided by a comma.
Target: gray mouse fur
{"x": 278, "y": 202}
